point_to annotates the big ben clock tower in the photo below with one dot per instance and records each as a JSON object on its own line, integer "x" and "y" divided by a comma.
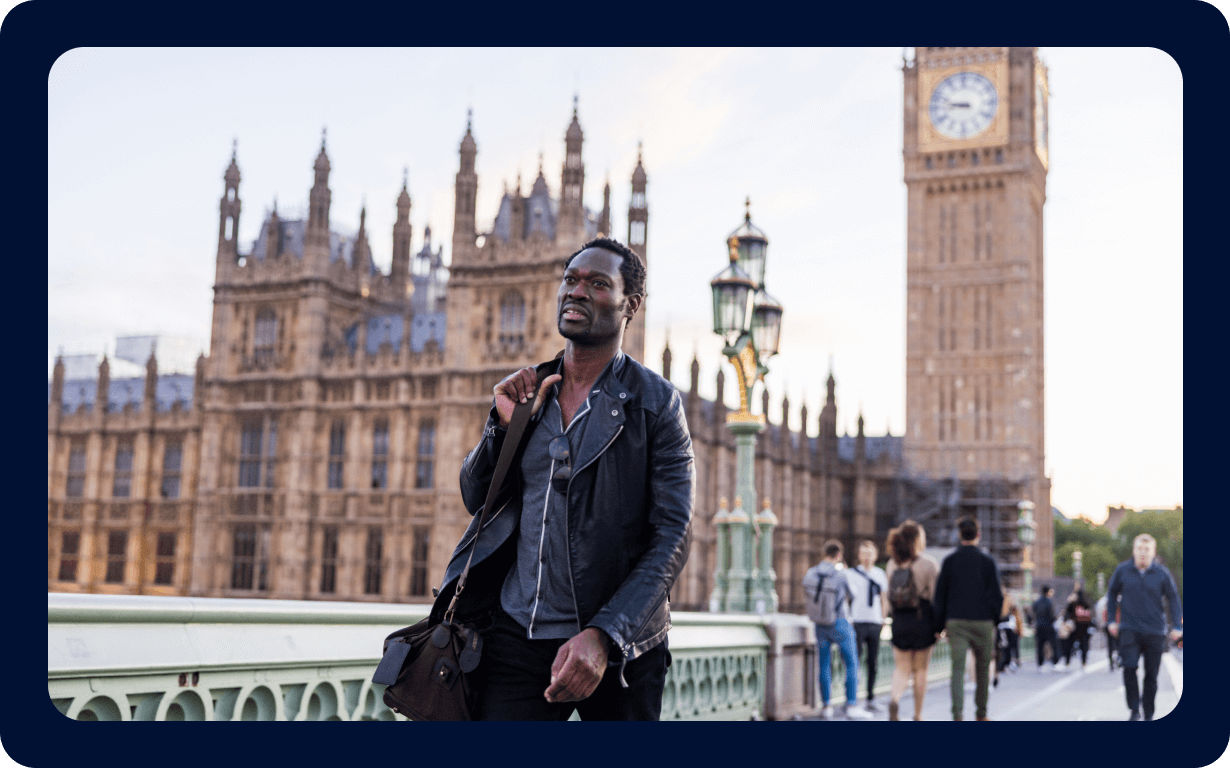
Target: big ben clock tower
{"x": 976, "y": 159}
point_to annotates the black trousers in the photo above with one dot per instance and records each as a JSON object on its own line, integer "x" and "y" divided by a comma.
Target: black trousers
{"x": 515, "y": 672}
{"x": 1077, "y": 636}
{"x": 1132, "y": 646}
{"x": 1046, "y": 634}
{"x": 1009, "y": 648}
{"x": 867, "y": 634}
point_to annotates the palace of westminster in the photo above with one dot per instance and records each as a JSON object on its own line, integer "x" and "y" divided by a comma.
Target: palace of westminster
{"x": 314, "y": 454}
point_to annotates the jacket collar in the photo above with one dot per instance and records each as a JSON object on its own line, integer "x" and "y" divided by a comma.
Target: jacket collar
{"x": 608, "y": 400}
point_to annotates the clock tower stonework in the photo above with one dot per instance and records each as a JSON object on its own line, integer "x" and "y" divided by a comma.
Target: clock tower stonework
{"x": 975, "y": 158}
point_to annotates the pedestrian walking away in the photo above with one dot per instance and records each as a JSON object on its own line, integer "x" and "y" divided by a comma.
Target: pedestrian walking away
{"x": 1044, "y": 629}
{"x": 1079, "y": 612}
{"x": 1010, "y": 624}
{"x": 570, "y": 579}
{"x": 911, "y": 588}
{"x": 869, "y": 584}
{"x": 1143, "y": 589}
{"x": 828, "y": 606}
{"x": 968, "y": 600}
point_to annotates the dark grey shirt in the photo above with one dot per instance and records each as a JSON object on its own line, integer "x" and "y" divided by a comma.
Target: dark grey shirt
{"x": 537, "y": 592}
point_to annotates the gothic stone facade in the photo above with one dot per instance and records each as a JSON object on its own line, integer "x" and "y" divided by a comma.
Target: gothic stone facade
{"x": 315, "y": 452}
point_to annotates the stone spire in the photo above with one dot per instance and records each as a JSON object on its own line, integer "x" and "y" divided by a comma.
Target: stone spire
{"x": 360, "y": 256}
{"x": 638, "y": 220}
{"x": 198, "y": 384}
{"x": 400, "y": 270}
{"x": 466, "y": 194}
{"x": 319, "y": 198}
{"x": 228, "y": 219}
{"x": 572, "y": 181}
{"x": 604, "y": 221}
{"x": 151, "y": 380}
{"x": 666, "y": 359}
{"x": 102, "y": 398}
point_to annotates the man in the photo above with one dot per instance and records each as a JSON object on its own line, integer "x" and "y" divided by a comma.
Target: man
{"x": 828, "y": 593}
{"x": 571, "y": 577}
{"x": 1137, "y": 587}
{"x": 967, "y": 603}
{"x": 867, "y": 611}
{"x": 1044, "y": 630}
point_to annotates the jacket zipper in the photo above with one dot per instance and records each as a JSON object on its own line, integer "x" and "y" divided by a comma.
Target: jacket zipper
{"x": 624, "y": 649}
{"x": 568, "y": 535}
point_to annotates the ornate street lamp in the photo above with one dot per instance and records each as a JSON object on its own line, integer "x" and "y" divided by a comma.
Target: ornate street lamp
{"x": 1076, "y": 568}
{"x": 1025, "y": 526}
{"x": 749, "y": 320}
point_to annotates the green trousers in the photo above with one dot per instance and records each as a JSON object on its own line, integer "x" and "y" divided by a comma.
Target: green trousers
{"x": 963, "y": 635}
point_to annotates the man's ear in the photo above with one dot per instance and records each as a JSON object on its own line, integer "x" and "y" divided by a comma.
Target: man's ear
{"x": 634, "y": 304}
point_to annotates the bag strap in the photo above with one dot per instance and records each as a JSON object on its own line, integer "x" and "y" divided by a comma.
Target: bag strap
{"x": 516, "y": 428}
{"x": 873, "y": 588}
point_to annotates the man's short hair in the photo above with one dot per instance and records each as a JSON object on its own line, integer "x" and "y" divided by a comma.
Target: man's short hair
{"x": 1046, "y": 590}
{"x": 967, "y": 526}
{"x": 1144, "y": 537}
{"x": 833, "y": 548}
{"x": 630, "y": 268}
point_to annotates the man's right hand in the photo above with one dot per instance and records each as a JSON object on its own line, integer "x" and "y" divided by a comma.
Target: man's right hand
{"x": 519, "y": 388}
{"x": 1113, "y": 629}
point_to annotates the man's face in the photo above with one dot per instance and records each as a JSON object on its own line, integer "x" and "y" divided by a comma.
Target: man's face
{"x": 591, "y": 300}
{"x": 866, "y": 555}
{"x": 1143, "y": 552}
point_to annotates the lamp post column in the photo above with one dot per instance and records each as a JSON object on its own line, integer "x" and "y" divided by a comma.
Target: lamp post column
{"x": 738, "y": 576}
{"x": 721, "y": 558}
{"x": 764, "y": 596}
{"x": 1025, "y": 534}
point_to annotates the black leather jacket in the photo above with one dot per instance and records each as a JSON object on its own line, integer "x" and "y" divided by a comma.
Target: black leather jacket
{"x": 629, "y": 516}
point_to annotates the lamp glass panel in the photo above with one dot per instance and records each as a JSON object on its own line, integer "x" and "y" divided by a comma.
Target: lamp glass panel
{"x": 752, "y": 259}
{"x": 766, "y": 329}
{"x": 730, "y": 302}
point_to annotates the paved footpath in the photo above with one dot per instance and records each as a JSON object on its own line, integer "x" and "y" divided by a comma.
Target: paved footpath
{"x": 1093, "y": 694}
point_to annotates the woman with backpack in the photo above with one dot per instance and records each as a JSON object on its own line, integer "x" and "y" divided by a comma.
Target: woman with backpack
{"x": 911, "y": 586}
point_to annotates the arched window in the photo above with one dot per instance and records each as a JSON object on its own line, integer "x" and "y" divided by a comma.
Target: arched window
{"x": 266, "y": 336}
{"x": 512, "y": 319}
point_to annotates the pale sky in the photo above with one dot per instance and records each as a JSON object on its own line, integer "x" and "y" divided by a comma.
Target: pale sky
{"x": 139, "y": 140}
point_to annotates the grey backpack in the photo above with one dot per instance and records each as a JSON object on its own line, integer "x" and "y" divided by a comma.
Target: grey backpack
{"x": 824, "y": 592}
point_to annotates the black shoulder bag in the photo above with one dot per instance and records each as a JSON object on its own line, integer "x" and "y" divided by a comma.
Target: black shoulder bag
{"x": 425, "y": 665}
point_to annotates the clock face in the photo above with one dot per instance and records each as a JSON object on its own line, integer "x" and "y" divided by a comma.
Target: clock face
{"x": 963, "y": 105}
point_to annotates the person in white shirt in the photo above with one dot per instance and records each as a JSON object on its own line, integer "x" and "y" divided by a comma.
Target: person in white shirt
{"x": 867, "y": 610}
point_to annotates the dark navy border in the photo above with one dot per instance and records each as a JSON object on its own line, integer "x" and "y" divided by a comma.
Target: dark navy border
{"x": 1195, "y": 34}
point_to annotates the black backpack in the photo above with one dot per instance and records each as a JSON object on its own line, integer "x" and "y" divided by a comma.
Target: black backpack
{"x": 902, "y": 591}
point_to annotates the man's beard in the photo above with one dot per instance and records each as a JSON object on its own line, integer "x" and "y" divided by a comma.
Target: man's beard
{"x": 595, "y": 334}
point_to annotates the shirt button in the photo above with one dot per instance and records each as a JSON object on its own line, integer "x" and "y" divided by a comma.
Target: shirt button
{"x": 622, "y": 395}
{"x": 614, "y": 413}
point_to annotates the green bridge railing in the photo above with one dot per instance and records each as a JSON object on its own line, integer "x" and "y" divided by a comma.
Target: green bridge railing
{"x": 120, "y": 657}
{"x": 171, "y": 658}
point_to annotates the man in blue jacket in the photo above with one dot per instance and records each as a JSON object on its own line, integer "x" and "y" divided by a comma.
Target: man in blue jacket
{"x": 571, "y": 575}
{"x": 1044, "y": 629}
{"x": 1137, "y": 588}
